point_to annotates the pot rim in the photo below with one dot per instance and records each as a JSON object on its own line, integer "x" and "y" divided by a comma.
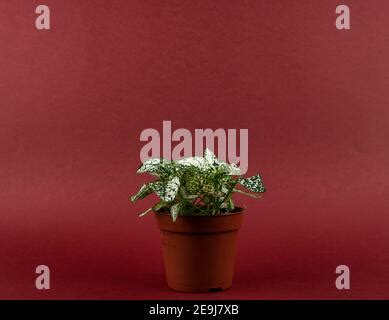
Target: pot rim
{"x": 242, "y": 210}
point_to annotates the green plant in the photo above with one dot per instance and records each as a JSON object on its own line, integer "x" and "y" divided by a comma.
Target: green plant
{"x": 195, "y": 185}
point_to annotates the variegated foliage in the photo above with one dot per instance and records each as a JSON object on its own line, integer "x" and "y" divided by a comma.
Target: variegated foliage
{"x": 196, "y": 185}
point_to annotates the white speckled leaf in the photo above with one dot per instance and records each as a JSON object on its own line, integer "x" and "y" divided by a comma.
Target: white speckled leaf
{"x": 197, "y": 162}
{"x": 233, "y": 169}
{"x": 254, "y": 184}
{"x": 168, "y": 191}
{"x": 210, "y": 157}
{"x": 175, "y": 211}
{"x": 212, "y": 161}
{"x": 152, "y": 166}
{"x": 159, "y": 188}
{"x": 171, "y": 189}
{"x": 208, "y": 181}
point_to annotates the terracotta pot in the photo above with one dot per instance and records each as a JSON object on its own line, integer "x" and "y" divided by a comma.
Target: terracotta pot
{"x": 199, "y": 251}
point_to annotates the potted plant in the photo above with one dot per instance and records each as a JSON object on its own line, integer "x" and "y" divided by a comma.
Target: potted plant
{"x": 197, "y": 218}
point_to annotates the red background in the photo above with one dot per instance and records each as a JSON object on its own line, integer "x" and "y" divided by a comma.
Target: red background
{"x": 73, "y": 101}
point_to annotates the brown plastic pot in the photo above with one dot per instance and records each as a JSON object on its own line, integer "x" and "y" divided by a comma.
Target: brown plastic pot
{"x": 199, "y": 251}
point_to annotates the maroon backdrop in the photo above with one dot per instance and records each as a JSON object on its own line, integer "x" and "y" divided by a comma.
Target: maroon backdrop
{"x": 73, "y": 101}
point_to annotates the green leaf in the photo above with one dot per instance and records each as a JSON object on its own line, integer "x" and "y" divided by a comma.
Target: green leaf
{"x": 227, "y": 184}
{"x": 254, "y": 184}
{"x": 161, "y": 204}
{"x": 230, "y": 204}
{"x": 144, "y": 191}
{"x": 183, "y": 194}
